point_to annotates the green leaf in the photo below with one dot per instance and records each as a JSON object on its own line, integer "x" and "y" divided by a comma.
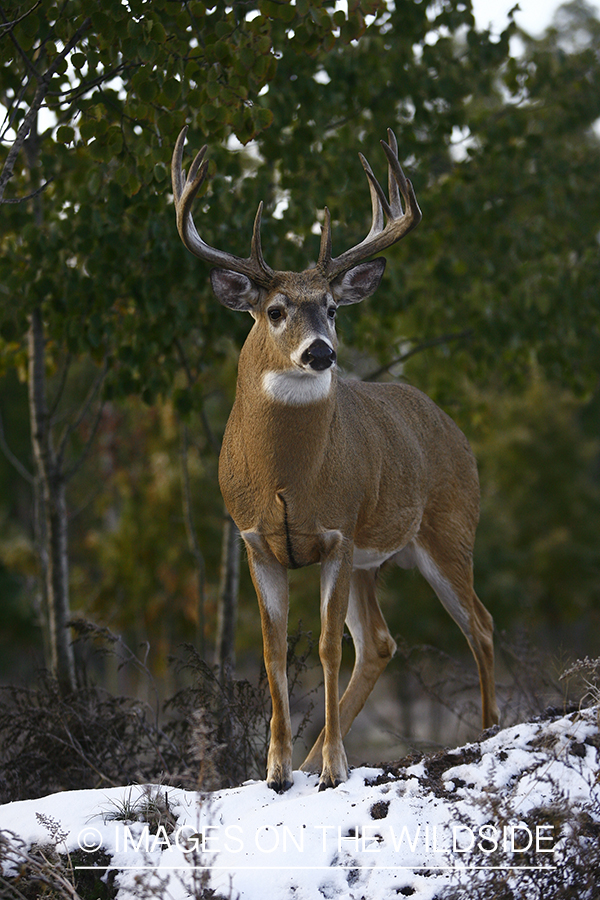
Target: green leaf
{"x": 172, "y": 90}
{"x": 213, "y": 89}
{"x": 65, "y": 134}
{"x": 246, "y": 56}
{"x": 99, "y": 151}
{"x": 263, "y": 117}
{"x": 115, "y": 140}
{"x": 208, "y": 111}
{"x": 135, "y": 30}
{"x": 221, "y": 51}
{"x": 148, "y": 52}
{"x": 147, "y": 89}
{"x": 158, "y": 33}
{"x": 160, "y": 172}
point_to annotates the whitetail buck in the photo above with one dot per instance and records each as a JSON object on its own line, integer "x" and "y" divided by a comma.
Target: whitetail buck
{"x": 347, "y": 474}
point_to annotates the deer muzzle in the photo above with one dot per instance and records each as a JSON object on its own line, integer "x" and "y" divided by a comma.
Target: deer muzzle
{"x": 319, "y": 355}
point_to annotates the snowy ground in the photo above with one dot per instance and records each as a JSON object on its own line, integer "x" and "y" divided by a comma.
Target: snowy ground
{"x": 408, "y": 830}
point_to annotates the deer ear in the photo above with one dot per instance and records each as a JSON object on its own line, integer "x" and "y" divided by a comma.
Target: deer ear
{"x": 357, "y": 283}
{"x": 234, "y": 290}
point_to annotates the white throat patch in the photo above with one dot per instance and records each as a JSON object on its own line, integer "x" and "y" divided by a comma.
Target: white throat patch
{"x": 294, "y": 387}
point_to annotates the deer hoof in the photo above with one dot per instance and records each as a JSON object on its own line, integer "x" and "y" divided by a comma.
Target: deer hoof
{"x": 329, "y": 783}
{"x": 280, "y": 780}
{"x": 280, "y": 787}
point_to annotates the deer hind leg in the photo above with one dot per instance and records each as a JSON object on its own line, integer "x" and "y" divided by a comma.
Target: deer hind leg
{"x": 449, "y": 571}
{"x": 374, "y": 647}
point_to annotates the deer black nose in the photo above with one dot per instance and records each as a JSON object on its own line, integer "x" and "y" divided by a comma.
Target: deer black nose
{"x": 319, "y": 355}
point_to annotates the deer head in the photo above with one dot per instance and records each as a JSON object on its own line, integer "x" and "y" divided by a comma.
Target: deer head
{"x": 295, "y": 312}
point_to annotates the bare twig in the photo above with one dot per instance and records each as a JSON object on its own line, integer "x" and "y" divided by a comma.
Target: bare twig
{"x": 91, "y": 496}
{"x": 10, "y": 456}
{"x": 61, "y": 385}
{"x": 70, "y": 472}
{"x": 85, "y": 408}
{"x": 12, "y": 107}
{"x": 192, "y": 379}
{"x": 33, "y": 71}
{"x": 418, "y": 348}
{"x": 213, "y": 440}
{"x": 8, "y": 25}
{"x": 29, "y": 196}
{"x": 33, "y": 867}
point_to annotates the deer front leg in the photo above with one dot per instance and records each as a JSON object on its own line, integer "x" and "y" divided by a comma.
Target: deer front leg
{"x": 271, "y": 584}
{"x": 374, "y": 647}
{"x": 335, "y": 585}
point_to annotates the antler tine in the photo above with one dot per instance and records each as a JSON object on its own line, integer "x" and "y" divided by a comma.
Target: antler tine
{"x": 324, "y": 259}
{"x": 379, "y": 202}
{"x": 184, "y": 193}
{"x": 176, "y": 165}
{"x": 398, "y": 221}
{"x": 256, "y": 247}
{"x": 392, "y": 156}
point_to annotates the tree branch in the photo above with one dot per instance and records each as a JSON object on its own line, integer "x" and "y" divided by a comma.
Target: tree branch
{"x": 191, "y": 379}
{"x": 29, "y": 196}
{"x": 85, "y": 408}
{"x": 22, "y": 134}
{"x": 12, "y": 107}
{"x": 32, "y": 69}
{"x": 418, "y": 348}
{"x": 213, "y": 440}
{"x": 41, "y": 91}
{"x": 67, "y": 48}
{"x": 85, "y": 86}
{"x": 7, "y": 25}
{"x": 87, "y": 447}
{"x": 61, "y": 386}
{"x": 10, "y": 456}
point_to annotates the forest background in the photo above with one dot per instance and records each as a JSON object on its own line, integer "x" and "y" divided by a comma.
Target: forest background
{"x": 118, "y": 365}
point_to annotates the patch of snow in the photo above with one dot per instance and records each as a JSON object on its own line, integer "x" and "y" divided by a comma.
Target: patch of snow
{"x": 384, "y": 833}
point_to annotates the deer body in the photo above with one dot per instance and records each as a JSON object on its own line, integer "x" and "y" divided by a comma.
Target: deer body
{"x": 350, "y": 475}
{"x": 291, "y": 472}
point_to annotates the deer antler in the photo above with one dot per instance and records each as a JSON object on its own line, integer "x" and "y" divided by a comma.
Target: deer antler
{"x": 184, "y": 192}
{"x": 398, "y": 222}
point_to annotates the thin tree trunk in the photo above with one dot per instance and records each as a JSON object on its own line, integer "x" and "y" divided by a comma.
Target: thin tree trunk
{"x": 192, "y": 537}
{"x": 41, "y": 549}
{"x": 228, "y": 599}
{"x": 49, "y": 481}
{"x": 51, "y": 486}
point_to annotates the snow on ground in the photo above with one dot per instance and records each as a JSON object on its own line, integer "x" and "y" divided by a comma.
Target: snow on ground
{"x": 406, "y": 830}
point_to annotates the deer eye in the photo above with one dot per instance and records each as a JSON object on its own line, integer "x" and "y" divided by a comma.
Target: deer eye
{"x": 275, "y": 313}
{"x": 331, "y": 312}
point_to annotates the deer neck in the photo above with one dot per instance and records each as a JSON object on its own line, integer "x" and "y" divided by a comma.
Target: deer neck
{"x": 284, "y": 419}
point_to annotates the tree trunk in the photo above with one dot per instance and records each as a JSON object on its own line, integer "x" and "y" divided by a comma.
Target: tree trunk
{"x": 192, "y": 536}
{"x": 228, "y": 599}
{"x": 49, "y": 481}
{"x": 51, "y": 501}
